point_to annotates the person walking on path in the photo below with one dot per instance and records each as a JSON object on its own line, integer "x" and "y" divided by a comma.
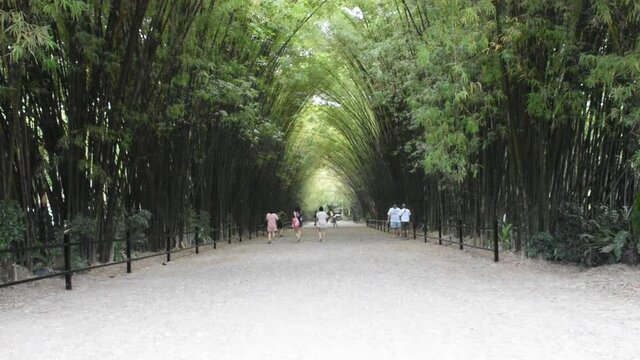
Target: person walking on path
{"x": 321, "y": 219}
{"x": 296, "y": 223}
{"x": 405, "y": 217}
{"x": 272, "y": 226}
{"x": 279, "y": 223}
{"x": 393, "y": 218}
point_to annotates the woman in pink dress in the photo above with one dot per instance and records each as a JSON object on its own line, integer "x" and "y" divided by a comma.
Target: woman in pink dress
{"x": 272, "y": 226}
{"x": 296, "y": 223}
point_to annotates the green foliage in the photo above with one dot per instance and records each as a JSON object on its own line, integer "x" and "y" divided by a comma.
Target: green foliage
{"x": 26, "y": 29}
{"x": 592, "y": 241}
{"x": 202, "y": 221}
{"x": 609, "y": 233}
{"x": 541, "y": 244}
{"x": 12, "y": 224}
{"x": 78, "y": 261}
{"x": 135, "y": 223}
{"x": 610, "y": 242}
{"x": 25, "y": 39}
{"x": 81, "y": 227}
{"x": 417, "y": 95}
{"x": 504, "y": 235}
{"x": 634, "y": 219}
{"x": 53, "y": 259}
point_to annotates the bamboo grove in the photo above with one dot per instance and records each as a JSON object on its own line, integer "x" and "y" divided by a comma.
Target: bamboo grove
{"x": 171, "y": 107}
{"x": 206, "y": 112}
{"x": 472, "y": 110}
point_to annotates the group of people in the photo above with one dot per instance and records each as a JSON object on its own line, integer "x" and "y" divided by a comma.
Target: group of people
{"x": 274, "y": 224}
{"x": 398, "y": 219}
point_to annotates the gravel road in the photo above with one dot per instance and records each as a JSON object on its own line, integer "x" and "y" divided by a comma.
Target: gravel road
{"x": 360, "y": 295}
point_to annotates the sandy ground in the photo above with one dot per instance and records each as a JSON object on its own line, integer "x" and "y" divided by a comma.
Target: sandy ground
{"x": 361, "y": 295}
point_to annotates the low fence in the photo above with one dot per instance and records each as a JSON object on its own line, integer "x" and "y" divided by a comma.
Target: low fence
{"x": 481, "y": 238}
{"x": 174, "y": 244}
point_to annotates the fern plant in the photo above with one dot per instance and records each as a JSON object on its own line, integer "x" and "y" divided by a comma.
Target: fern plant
{"x": 504, "y": 235}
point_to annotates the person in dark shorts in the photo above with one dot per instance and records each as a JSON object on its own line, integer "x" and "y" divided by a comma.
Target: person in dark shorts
{"x": 280, "y": 224}
{"x": 405, "y": 218}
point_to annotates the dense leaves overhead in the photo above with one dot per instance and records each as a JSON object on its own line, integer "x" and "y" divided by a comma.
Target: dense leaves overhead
{"x": 476, "y": 109}
{"x": 222, "y": 110}
{"x": 172, "y": 106}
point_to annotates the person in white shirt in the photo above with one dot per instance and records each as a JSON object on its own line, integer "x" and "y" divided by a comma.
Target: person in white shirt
{"x": 405, "y": 217}
{"x": 393, "y": 218}
{"x": 321, "y": 223}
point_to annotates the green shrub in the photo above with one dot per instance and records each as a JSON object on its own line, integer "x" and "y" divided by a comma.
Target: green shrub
{"x": 12, "y": 227}
{"x": 504, "y": 234}
{"x": 12, "y": 224}
{"x": 603, "y": 237}
{"x": 540, "y": 244}
{"x": 53, "y": 259}
{"x": 81, "y": 227}
{"x": 634, "y": 222}
{"x": 201, "y": 220}
{"x": 611, "y": 235}
{"x": 566, "y": 244}
{"x": 136, "y": 222}
{"x": 569, "y": 244}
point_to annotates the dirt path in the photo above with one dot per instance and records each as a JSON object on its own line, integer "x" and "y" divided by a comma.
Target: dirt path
{"x": 361, "y": 295}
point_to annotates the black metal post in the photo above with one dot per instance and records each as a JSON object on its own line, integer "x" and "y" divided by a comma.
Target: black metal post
{"x": 414, "y": 230}
{"x": 249, "y": 232}
{"x": 67, "y": 262}
{"x": 460, "y": 233}
{"x": 168, "y": 246}
{"x": 426, "y": 229}
{"x": 229, "y": 234}
{"x": 495, "y": 240}
{"x": 240, "y": 233}
{"x": 197, "y": 240}
{"x": 128, "y": 250}
{"x": 439, "y": 231}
